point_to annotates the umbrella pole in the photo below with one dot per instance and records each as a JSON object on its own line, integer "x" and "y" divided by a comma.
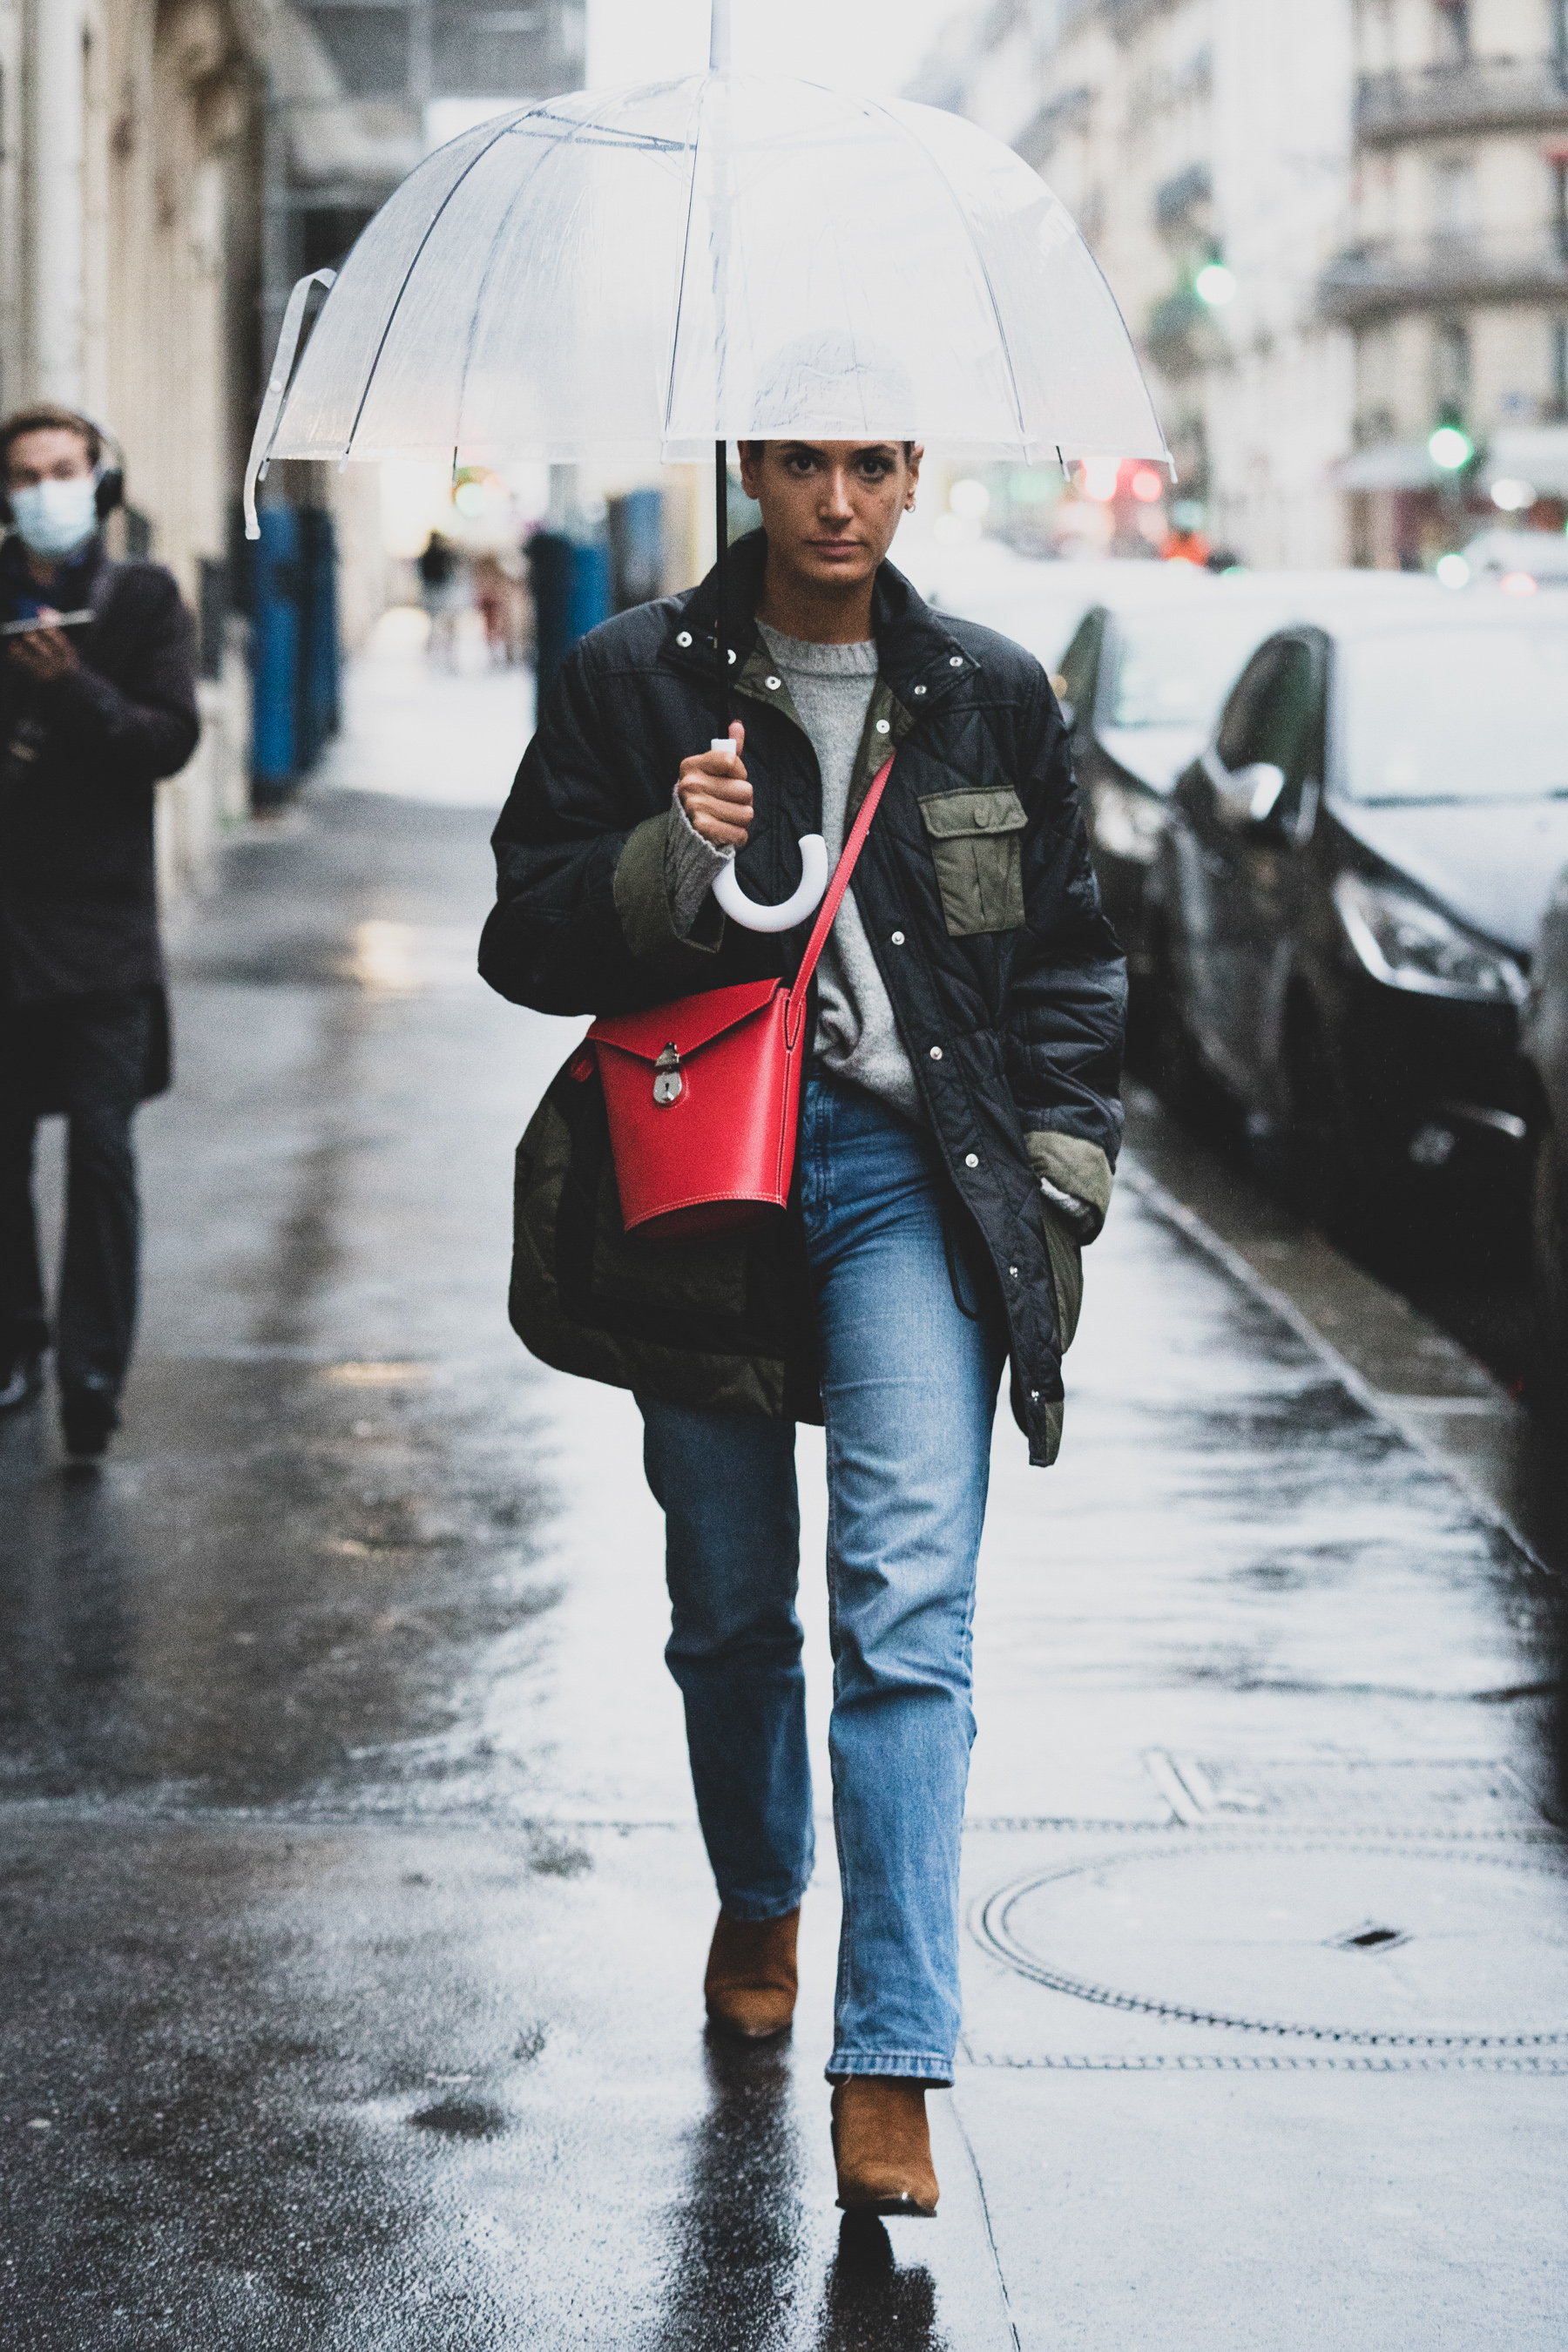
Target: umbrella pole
{"x": 722, "y": 541}
{"x": 719, "y": 62}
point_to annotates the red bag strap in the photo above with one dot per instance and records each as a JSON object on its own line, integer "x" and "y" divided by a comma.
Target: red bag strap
{"x": 833, "y": 899}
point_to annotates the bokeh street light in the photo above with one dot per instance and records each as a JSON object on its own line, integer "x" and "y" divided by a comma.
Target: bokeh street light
{"x": 1099, "y": 479}
{"x": 1215, "y": 285}
{"x": 1450, "y": 448}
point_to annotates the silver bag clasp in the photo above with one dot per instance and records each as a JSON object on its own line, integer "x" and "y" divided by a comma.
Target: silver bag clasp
{"x": 668, "y": 1086}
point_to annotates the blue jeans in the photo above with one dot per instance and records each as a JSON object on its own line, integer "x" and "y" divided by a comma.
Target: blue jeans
{"x": 910, "y": 1383}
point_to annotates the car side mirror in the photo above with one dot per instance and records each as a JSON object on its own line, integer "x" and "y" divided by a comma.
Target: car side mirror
{"x": 1249, "y": 795}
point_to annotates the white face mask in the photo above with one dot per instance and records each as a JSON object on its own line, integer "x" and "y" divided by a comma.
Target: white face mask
{"x": 56, "y": 517}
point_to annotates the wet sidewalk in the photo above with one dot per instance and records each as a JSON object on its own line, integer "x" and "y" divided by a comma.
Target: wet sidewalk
{"x": 352, "y": 1899}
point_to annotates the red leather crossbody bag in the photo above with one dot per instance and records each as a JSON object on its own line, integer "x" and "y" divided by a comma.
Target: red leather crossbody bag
{"x": 703, "y": 1094}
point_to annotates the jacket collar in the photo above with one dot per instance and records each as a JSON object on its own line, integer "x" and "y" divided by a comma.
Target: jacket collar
{"x": 84, "y": 580}
{"x": 918, "y": 657}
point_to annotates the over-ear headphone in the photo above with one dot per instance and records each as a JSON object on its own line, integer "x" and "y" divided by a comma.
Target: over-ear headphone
{"x": 109, "y": 491}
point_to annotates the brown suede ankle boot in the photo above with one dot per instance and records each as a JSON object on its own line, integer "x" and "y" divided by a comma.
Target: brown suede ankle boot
{"x": 882, "y": 2147}
{"x": 751, "y": 1981}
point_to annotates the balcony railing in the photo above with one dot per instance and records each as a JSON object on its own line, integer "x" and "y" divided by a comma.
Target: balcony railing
{"x": 1418, "y": 273}
{"x": 1475, "y": 94}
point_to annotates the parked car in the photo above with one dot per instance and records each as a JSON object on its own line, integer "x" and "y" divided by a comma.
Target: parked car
{"x": 1040, "y": 604}
{"x": 1545, "y": 1056}
{"x": 1143, "y": 680}
{"x": 1520, "y": 561}
{"x": 1348, "y": 887}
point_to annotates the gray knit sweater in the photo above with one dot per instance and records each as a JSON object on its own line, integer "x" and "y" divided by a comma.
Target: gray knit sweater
{"x": 856, "y": 1038}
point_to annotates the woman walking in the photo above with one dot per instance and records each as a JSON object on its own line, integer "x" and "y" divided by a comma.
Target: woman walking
{"x": 959, "y": 1122}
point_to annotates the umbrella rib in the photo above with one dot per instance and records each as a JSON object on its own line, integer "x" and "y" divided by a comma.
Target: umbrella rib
{"x": 413, "y": 263}
{"x": 684, "y": 257}
{"x": 979, "y": 263}
{"x": 556, "y": 147}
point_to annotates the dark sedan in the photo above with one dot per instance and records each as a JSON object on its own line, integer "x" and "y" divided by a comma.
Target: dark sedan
{"x": 1545, "y": 1045}
{"x": 1349, "y": 888}
{"x": 1143, "y": 681}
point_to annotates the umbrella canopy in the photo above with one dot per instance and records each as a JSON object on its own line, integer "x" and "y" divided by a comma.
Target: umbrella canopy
{"x": 725, "y": 257}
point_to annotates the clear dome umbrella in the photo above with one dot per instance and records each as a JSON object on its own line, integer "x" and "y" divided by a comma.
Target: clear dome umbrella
{"x": 651, "y": 270}
{"x": 659, "y": 271}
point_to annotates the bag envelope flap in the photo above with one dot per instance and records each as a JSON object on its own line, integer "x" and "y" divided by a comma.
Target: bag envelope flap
{"x": 687, "y": 1023}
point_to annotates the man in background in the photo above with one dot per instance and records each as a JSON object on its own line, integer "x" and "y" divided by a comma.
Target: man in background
{"x": 97, "y": 702}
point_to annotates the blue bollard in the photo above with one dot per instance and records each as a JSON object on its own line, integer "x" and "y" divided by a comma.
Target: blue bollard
{"x": 590, "y": 589}
{"x": 275, "y": 638}
{"x": 571, "y": 595}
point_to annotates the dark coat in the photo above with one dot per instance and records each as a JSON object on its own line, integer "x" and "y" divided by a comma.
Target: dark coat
{"x": 79, "y": 761}
{"x": 980, "y": 904}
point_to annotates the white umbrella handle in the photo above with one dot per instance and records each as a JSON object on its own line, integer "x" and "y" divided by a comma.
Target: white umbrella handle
{"x": 801, "y": 902}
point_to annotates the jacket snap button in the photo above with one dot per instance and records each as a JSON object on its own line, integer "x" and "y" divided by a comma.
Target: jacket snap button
{"x": 971, "y": 1158}
{"x": 771, "y": 684}
{"x": 898, "y": 938}
{"x": 731, "y": 657}
{"x": 920, "y": 689}
{"x": 684, "y": 638}
{"x": 936, "y": 1053}
{"x": 1034, "y": 1396}
{"x": 955, "y": 661}
{"x": 884, "y": 726}
{"x": 1014, "y": 1272}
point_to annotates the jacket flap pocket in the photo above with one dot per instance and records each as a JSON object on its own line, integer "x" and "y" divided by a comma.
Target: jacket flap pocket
{"x": 686, "y": 1023}
{"x": 947, "y": 815}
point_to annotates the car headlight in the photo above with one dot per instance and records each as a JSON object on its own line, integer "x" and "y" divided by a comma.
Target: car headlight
{"x": 1127, "y": 824}
{"x": 1407, "y": 944}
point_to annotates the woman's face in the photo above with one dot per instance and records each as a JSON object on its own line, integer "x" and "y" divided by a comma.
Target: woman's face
{"x": 830, "y": 508}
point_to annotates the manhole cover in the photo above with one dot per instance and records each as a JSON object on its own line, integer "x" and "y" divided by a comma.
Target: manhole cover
{"x": 1367, "y": 1940}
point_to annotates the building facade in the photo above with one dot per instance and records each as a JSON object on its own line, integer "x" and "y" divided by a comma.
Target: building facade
{"x": 1204, "y": 147}
{"x": 168, "y": 168}
{"x": 1454, "y": 281}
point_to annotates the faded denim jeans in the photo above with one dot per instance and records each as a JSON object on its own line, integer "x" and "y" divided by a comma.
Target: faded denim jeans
{"x": 910, "y": 1384}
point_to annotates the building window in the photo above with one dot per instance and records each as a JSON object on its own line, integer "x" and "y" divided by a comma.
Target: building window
{"x": 1454, "y": 197}
{"x": 1557, "y": 399}
{"x": 1557, "y": 161}
{"x": 1560, "y": 37}
{"x": 1451, "y": 369}
{"x": 1452, "y": 30}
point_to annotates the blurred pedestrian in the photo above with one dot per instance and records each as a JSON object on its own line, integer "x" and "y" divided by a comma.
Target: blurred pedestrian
{"x": 444, "y": 593}
{"x": 500, "y": 599}
{"x": 97, "y": 702}
{"x": 959, "y": 1120}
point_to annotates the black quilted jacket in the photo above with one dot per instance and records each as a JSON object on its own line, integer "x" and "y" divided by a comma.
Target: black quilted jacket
{"x": 980, "y": 904}
{"x": 79, "y": 759}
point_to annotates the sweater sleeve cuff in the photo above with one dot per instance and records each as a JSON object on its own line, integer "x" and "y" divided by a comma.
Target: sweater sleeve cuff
{"x": 1075, "y": 1177}
{"x": 643, "y": 903}
{"x": 690, "y": 865}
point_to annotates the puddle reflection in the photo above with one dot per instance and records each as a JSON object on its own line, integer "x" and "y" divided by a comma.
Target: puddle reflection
{"x": 755, "y": 2266}
{"x": 67, "y": 1630}
{"x": 739, "y": 2222}
{"x": 871, "y": 2303}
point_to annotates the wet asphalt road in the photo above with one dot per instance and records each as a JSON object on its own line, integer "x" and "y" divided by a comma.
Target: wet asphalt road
{"x": 352, "y": 1905}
